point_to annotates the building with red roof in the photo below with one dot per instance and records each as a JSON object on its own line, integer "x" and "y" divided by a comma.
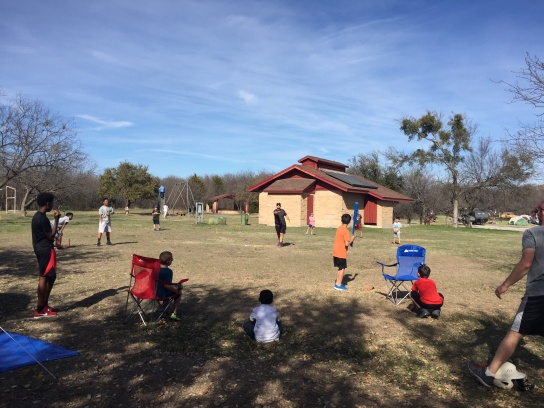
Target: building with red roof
{"x": 323, "y": 187}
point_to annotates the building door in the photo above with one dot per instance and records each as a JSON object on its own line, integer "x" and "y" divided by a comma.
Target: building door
{"x": 371, "y": 211}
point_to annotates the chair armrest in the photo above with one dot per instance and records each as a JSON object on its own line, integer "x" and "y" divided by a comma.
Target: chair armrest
{"x": 383, "y": 265}
{"x": 183, "y": 280}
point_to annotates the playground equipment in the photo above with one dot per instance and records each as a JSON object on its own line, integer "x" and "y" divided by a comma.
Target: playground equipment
{"x": 182, "y": 191}
{"x": 11, "y": 197}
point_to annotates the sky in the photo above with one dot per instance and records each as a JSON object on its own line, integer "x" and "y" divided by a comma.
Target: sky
{"x": 215, "y": 87}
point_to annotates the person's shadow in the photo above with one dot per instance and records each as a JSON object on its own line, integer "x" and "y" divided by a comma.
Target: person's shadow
{"x": 348, "y": 278}
{"x": 95, "y": 298}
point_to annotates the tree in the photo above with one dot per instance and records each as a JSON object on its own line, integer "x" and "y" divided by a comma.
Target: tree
{"x": 486, "y": 172}
{"x": 531, "y": 91}
{"x": 128, "y": 182}
{"x": 369, "y": 167}
{"x": 197, "y": 186}
{"x": 33, "y": 140}
{"x": 447, "y": 147}
{"x": 418, "y": 185}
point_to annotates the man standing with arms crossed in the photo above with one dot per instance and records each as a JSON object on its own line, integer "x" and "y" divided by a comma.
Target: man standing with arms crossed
{"x": 529, "y": 319}
{"x": 104, "y": 225}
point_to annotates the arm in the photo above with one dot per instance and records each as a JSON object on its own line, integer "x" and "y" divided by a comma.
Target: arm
{"x": 51, "y": 234}
{"x": 519, "y": 271}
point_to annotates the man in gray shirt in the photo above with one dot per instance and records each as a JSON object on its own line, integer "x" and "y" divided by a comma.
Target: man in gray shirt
{"x": 529, "y": 319}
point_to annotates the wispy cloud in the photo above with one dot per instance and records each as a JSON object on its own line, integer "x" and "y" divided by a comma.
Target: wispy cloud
{"x": 247, "y": 97}
{"x": 105, "y": 124}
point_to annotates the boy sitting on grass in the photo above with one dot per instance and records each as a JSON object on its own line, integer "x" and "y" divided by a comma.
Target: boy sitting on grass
{"x": 165, "y": 287}
{"x": 264, "y": 324}
{"x": 424, "y": 295}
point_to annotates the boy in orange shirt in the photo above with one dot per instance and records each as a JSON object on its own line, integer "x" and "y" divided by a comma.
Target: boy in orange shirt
{"x": 424, "y": 295}
{"x": 342, "y": 240}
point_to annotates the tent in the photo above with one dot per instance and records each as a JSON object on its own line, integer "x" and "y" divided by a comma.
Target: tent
{"x": 17, "y": 351}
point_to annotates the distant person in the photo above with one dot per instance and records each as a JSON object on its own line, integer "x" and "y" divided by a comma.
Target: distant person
{"x": 279, "y": 220}
{"x": 43, "y": 237}
{"x": 396, "y": 231}
{"x": 104, "y": 222}
{"x": 529, "y": 318}
{"x": 165, "y": 289}
{"x": 127, "y": 210}
{"x": 359, "y": 224}
{"x": 63, "y": 222}
{"x": 342, "y": 240}
{"x": 156, "y": 222}
{"x": 264, "y": 324}
{"x": 424, "y": 295}
{"x": 311, "y": 224}
{"x": 165, "y": 210}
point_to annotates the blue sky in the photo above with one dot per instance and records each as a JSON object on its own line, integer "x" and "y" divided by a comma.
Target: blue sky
{"x": 215, "y": 87}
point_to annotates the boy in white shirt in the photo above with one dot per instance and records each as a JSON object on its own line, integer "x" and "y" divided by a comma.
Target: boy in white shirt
{"x": 264, "y": 324}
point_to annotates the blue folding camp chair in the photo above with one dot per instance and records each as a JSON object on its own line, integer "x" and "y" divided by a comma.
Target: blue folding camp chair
{"x": 409, "y": 257}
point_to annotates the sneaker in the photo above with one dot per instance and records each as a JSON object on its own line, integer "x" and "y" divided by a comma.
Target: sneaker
{"x": 46, "y": 312}
{"x": 174, "y": 316}
{"x": 435, "y": 314}
{"x": 478, "y": 371}
{"x": 109, "y": 243}
{"x": 340, "y": 287}
{"x": 423, "y": 313}
{"x": 52, "y": 309}
{"x": 98, "y": 243}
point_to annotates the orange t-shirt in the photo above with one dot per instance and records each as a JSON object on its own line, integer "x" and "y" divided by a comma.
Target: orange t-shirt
{"x": 340, "y": 250}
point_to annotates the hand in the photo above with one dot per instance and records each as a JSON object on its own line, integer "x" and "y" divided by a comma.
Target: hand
{"x": 56, "y": 214}
{"x": 500, "y": 290}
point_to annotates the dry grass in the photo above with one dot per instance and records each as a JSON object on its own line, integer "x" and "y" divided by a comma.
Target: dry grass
{"x": 340, "y": 349}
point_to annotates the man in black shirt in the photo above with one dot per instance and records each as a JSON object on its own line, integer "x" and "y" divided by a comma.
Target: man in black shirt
{"x": 279, "y": 220}
{"x": 43, "y": 237}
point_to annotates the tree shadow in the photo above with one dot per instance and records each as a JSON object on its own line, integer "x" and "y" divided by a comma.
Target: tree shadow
{"x": 326, "y": 356}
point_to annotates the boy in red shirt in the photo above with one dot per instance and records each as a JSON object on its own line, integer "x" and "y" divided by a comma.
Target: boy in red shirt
{"x": 424, "y": 295}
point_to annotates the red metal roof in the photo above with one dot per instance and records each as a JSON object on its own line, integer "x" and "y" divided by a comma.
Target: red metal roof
{"x": 298, "y": 172}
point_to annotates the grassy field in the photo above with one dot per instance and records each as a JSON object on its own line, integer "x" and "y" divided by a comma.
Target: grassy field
{"x": 340, "y": 349}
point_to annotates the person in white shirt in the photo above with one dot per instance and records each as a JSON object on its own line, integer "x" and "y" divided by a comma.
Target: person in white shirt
{"x": 63, "y": 222}
{"x": 264, "y": 324}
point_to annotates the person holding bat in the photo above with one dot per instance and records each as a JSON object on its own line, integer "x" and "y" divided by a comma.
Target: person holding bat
{"x": 43, "y": 237}
{"x": 342, "y": 240}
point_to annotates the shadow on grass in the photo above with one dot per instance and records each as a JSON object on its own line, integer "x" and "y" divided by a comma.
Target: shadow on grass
{"x": 326, "y": 357}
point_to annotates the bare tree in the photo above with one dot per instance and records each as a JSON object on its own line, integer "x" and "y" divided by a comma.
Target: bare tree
{"x": 34, "y": 140}
{"x": 529, "y": 89}
{"x": 485, "y": 171}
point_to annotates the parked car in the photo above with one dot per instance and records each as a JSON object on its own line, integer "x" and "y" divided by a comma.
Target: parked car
{"x": 480, "y": 216}
{"x": 476, "y": 217}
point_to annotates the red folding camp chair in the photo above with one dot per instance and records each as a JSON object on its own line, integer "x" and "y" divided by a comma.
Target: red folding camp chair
{"x": 144, "y": 279}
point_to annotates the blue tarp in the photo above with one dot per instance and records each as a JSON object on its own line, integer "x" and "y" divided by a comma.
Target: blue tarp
{"x": 13, "y": 354}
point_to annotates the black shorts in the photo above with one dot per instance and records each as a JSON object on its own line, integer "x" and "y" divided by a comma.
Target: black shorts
{"x": 280, "y": 229}
{"x": 47, "y": 261}
{"x": 415, "y": 295}
{"x": 529, "y": 318}
{"x": 340, "y": 263}
{"x": 156, "y": 222}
